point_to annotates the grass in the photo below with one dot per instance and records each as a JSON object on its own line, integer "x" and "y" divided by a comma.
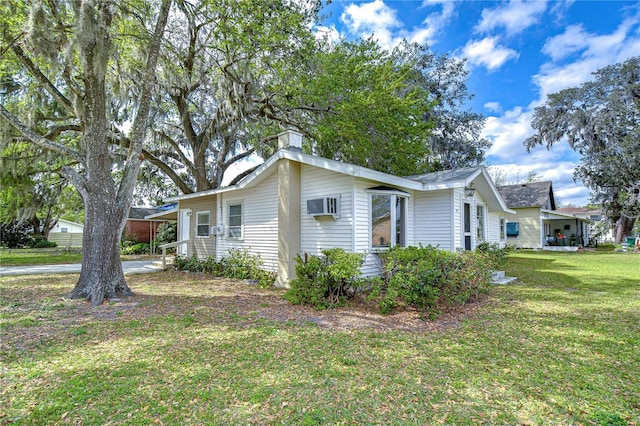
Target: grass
{"x": 47, "y": 256}
{"x": 41, "y": 256}
{"x": 560, "y": 347}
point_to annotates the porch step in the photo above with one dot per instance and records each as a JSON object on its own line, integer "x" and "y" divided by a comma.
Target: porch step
{"x": 157, "y": 264}
{"x": 499, "y": 278}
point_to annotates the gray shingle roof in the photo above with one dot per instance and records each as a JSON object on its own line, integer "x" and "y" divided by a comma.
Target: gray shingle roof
{"x": 534, "y": 194}
{"x": 444, "y": 176}
{"x": 141, "y": 212}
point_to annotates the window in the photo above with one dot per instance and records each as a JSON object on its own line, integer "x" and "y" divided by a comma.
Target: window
{"x": 235, "y": 221}
{"x": 502, "y": 230}
{"x": 480, "y": 223}
{"x": 388, "y": 214}
{"x": 202, "y": 224}
{"x": 513, "y": 229}
{"x": 64, "y": 229}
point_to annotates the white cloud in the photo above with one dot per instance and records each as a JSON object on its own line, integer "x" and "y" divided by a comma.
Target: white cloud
{"x": 379, "y": 20}
{"x": 372, "y": 18}
{"x": 493, "y": 107}
{"x": 507, "y": 133}
{"x": 435, "y": 22}
{"x": 488, "y": 53}
{"x": 514, "y": 16}
{"x": 572, "y": 40}
{"x": 331, "y": 34}
{"x": 596, "y": 51}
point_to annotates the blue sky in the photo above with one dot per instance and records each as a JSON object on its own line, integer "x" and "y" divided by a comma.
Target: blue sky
{"x": 517, "y": 53}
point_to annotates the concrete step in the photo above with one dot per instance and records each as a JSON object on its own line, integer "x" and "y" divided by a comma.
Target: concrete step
{"x": 157, "y": 264}
{"x": 499, "y": 278}
{"x": 504, "y": 281}
{"x": 497, "y": 275}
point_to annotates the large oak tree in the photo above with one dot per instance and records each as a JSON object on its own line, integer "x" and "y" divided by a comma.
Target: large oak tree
{"x": 600, "y": 119}
{"x": 92, "y": 60}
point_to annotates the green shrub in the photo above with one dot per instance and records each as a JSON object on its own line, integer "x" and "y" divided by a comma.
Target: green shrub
{"x": 496, "y": 255}
{"x": 428, "y": 279}
{"x": 137, "y": 248}
{"x": 167, "y": 233}
{"x": 325, "y": 281}
{"x": 38, "y": 241}
{"x": 239, "y": 264}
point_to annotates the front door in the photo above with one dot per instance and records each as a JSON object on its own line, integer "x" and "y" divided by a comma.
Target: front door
{"x": 183, "y": 234}
{"x": 467, "y": 226}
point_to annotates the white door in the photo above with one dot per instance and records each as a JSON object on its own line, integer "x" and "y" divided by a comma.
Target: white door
{"x": 183, "y": 234}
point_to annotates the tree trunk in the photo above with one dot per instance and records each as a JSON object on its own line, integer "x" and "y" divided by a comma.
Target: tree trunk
{"x": 101, "y": 276}
{"x": 623, "y": 227}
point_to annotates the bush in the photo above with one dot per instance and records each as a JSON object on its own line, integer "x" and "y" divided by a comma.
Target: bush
{"x": 167, "y": 233}
{"x": 428, "y": 279}
{"x": 326, "y": 280}
{"x": 14, "y": 234}
{"x": 137, "y": 248}
{"x": 239, "y": 264}
{"x": 38, "y": 241}
{"x": 494, "y": 254}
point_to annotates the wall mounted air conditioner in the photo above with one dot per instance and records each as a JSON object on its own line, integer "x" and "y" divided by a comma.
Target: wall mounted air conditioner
{"x": 217, "y": 230}
{"x": 324, "y": 207}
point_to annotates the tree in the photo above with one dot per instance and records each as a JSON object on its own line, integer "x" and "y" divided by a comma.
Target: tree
{"x": 29, "y": 191}
{"x": 358, "y": 104}
{"x": 600, "y": 120}
{"x": 84, "y": 58}
{"x": 219, "y": 82}
{"x": 455, "y": 140}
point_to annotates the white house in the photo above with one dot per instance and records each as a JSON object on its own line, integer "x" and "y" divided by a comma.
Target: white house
{"x": 67, "y": 233}
{"x": 296, "y": 203}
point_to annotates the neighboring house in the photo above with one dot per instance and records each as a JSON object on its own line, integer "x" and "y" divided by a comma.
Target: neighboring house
{"x": 597, "y": 222}
{"x": 537, "y": 224}
{"x": 141, "y": 223}
{"x": 67, "y": 234}
{"x": 296, "y": 203}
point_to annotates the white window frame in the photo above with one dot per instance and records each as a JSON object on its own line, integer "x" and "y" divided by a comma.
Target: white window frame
{"x": 231, "y": 227}
{"x": 503, "y": 229}
{"x": 481, "y": 231}
{"x": 203, "y": 224}
{"x": 394, "y": 197}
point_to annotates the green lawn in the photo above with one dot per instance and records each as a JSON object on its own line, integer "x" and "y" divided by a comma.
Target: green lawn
{"x": 562, "y": 347}
{"x": 43, "y": 256}
{"x": 48, "y": 256}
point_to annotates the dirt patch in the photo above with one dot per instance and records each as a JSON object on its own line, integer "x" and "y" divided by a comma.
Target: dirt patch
{"x": 38, "y": 311}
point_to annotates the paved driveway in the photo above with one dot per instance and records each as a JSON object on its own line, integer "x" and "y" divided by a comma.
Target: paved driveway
{"x": 129, "y": 267}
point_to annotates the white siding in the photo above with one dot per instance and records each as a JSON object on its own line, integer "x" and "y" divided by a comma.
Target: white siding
{"x": 318, "y": 233}
{"x": 493, "y": 228}
{"x": 201, "y": 247}
{"x": 433, "y": 219}
{"x": 259, "y": 219}
{"x": 71, "y": 227}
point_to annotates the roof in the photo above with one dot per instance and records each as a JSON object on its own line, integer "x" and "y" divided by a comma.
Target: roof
{"x": 531, "y": 194}
{"x": 140, "y": 213}
{"x": 575, "y": 210}
{"x": 446, "y": 177}
{"x": 69, "y": 222}
{"x": 427, "y": 182}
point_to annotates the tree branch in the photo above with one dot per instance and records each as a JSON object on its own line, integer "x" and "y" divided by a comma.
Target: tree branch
{"x": 42, "y": 79}
{"x": 36, "y": 138}
{"x": 139, "y": 127}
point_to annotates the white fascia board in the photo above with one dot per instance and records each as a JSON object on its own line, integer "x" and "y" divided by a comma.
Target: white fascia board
{"x": 352, "y": 170}
{"x": 552, "y": 214}
{"x": 160, "y": 215}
